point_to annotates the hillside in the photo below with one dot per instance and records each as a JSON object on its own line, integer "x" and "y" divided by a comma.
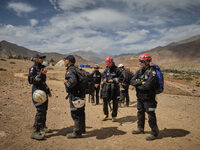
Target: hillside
{"x": 183, "y": 52}
{"x": 9, "y": 49}
{"x": 91, "y": 56}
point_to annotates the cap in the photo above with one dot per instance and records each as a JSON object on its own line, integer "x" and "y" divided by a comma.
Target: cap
{"x": 39, "y": 55}
{"x": 70, "y": 58}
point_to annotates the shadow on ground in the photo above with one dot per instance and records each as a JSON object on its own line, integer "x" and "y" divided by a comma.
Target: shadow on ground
{"x": 104, "y": 133}
{"x": 173, "y": 133}
{"x": 60, "y": 132}
{"x": 131, "y": 119}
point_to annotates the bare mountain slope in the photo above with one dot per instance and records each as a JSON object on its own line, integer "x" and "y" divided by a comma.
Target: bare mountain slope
{"x": 9, "y": 49}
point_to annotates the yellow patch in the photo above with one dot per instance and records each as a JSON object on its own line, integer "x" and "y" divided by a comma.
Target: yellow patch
{"x": 68, "y": 72}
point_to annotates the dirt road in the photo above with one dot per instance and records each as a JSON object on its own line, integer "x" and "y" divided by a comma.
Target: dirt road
{"x": 178, "y": 119}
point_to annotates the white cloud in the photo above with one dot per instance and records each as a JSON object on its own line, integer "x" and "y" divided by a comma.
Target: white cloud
{"x": 71, "y": 4}
{"x": 33, "y": 22}
{"x": 102, "y": 29}
{"x": 20, "y": 7}
{"x": 133, "y": 36}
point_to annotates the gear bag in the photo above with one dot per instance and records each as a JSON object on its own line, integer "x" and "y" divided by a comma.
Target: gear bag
{"x": 85, "y": 81}
{"x": 160, "y": 79}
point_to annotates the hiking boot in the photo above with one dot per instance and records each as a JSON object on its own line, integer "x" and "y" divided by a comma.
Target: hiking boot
{"x": 138, "y": 131}
{"x": 113, "y": 119}
{"x": 37, "y": 135}
{"x": 151, "y": 137}
{"x": 73, "y": 135}
{"x": 105, "y": 117}
{"x": 44, "y": 130}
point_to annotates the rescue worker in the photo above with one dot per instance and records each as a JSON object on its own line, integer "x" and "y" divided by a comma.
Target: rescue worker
{"x": 110, "y": 88}
{"x": 37, "y": 77}
{"x": 124, "y": 81}
{"x": 96, "y": 75}
{"x": 73, "y": 90}
{"x": 145, "y": 80}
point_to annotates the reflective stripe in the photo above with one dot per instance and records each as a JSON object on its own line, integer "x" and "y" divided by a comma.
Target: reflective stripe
{"x": 152, "y": 109}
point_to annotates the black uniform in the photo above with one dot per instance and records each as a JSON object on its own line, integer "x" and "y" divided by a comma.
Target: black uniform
{"x": 38, "y": 80}
{"x": 124, "y": 79}
{"x": 110, "y": 91}
{"x": 96, "y": 75}
{"x": 146, "y": 98}
{"x": 73, "y": 90}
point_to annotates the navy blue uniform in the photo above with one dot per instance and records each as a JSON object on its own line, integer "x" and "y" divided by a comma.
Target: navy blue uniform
{"x": 111, "y": 89}
{"x": 96, "y": 75}
{"x": 73, "y": 90}
{"x": 38, "y": 80}
{"x": 124, "y": 79}
{"x": 146, "y": 97}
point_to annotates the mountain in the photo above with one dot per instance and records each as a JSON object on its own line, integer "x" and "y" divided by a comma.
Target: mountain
{"x": 91, "y": 56}
{"x": 185, "y": 51}
{"x": 9, "y": 49}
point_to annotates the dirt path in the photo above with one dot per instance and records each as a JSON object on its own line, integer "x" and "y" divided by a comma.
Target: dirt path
{"x": 178, "y": 121}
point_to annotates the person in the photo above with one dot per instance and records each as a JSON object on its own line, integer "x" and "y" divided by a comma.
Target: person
{"x": 74, "y": 92}
{"x": 110, "y": 88}
{"x": 124, "y": 81}
{"x": 37, "y": 77}
{"x": 96, "y": 75}
{"x": 145, "y": 80}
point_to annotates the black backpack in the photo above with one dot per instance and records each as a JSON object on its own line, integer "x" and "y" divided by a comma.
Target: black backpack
{"x": 85, "y": 81}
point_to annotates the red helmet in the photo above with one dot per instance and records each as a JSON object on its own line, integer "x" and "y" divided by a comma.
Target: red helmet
{"x": 145, "y": 57}
{"x": 108, "y": 61}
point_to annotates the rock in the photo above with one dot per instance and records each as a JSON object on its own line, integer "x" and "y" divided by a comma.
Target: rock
{"x": 2, "y": 134}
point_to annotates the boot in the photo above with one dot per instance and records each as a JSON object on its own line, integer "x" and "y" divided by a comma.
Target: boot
{"x": 44, "y": 130}
{"x": 113, "y": 119}
{"x": 105, "y": 117}
{"x": 151, "y": 137}
{"x": 138, "y": 131}
{"x": 73, "y": 135}
{"x": 37, "y": 135}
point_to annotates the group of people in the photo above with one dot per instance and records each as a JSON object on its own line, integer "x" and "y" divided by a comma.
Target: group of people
{"x": 114, "y": 88}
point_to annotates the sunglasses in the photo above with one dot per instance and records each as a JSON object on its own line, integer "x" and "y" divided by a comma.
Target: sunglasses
{"x": 142, "y": 61}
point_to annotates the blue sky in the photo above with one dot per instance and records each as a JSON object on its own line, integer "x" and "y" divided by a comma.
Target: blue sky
{"x": 108, "y": 26}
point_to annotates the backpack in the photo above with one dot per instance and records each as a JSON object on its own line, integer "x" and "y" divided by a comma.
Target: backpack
{"x": 85, "y": 81}
{"x": 160, "y": 79}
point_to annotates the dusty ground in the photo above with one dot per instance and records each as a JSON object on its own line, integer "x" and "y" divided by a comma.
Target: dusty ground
{"x": 178, "y": 118}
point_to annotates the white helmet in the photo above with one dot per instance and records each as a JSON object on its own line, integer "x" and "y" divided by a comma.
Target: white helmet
{"x": 39, "y": 96}
{"x": 78, "y": 102}
{"x": 120, "y": 65}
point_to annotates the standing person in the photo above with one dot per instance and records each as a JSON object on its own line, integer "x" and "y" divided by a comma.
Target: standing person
{"x": 124, "y": 81}
{"x": 110, "y": 88}
{"x": 96, "y": 75}
{"x": 74, "y": 92}
{"x": 145, "y": 81}
{"x": 37, "y": 77}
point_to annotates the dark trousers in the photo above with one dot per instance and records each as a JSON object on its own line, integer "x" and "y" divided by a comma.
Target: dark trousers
{"x": 114, "y": 109}
{"x": 41, "y": 114}
{"x": 79, "y": 120}
{"x": 124, "y": 94}
{"x": 97, "y": 95}
{"x": 149, "y": 107}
